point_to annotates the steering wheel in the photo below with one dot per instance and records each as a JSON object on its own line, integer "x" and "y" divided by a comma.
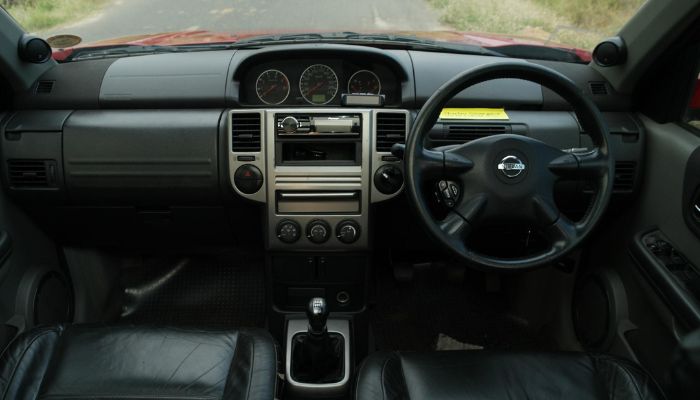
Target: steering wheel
{"x": 506, "y": 177}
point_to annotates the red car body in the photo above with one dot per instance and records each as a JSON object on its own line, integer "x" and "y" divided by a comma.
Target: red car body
{"x": 201, "y": 37}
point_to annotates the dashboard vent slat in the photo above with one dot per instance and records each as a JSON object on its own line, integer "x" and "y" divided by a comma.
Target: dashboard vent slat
{"x": 465, "y": 133}
{"x": 44, "y": 87}
{"x": 391, "y": 129}
{"x": 31, "y": 173}
{"x": 625, "y": 172}
{"x": 598, "y": 88}
{"x": 245, "y": 132}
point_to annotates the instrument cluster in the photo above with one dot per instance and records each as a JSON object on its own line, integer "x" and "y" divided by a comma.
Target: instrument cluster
{"x": 315, "y": 82}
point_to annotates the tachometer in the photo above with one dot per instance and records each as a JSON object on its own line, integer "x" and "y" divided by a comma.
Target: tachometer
{"x": 318, "y": 84}
{"x": 272, "y": 86}
{"x": 364, "y": 82}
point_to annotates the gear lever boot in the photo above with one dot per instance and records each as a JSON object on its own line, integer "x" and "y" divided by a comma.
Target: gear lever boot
{"x": 317, "y": 356}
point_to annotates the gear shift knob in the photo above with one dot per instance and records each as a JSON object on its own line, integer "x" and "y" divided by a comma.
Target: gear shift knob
{"x": 317, "y": 314}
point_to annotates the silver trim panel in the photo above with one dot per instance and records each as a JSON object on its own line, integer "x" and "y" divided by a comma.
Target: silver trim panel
{"x": 326, "y": 179}
{"x": 339, "y": 326}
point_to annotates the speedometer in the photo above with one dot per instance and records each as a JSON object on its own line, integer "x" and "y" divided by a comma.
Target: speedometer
{"x": 272, "y": 87}
{"x": 318, "y": 84}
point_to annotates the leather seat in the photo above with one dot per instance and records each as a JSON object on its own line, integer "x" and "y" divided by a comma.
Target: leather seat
{"x": 128, "y": 362}
{"x": 486, "y": 375}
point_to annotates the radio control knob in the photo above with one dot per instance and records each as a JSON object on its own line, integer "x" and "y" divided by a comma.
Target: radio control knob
{"x": 288, "y": 231}
{"x": 290, "y": 124}
{"x": 347, "y": 231}
{"x": 318, "y": 231}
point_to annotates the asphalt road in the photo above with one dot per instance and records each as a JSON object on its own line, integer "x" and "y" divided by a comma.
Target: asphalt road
{"x": 128, "y": 17}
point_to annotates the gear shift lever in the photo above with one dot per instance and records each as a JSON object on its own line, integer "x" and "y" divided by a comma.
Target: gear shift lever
{"x": 317, "y": 314}
{"x": 317, "y": 355}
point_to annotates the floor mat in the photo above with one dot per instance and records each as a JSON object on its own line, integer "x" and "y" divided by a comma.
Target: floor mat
{"x": 220, "y": 291}
{"x": 415, "y": 315}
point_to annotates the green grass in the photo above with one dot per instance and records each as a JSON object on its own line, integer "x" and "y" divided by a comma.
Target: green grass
{"x": 580, "y": 23}
{"x": 38, "y": 15}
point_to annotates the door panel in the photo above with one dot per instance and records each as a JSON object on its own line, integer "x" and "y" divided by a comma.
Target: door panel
{"x": 660, "y": 309}
{"x": 30, "y": 272}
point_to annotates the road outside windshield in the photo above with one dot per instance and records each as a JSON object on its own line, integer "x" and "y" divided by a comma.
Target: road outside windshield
{"x": 577, "y": 24}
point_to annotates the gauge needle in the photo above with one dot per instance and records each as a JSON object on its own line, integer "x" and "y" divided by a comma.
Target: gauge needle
{"x": 318, "y": 86}
{"x": 271, "y": 88}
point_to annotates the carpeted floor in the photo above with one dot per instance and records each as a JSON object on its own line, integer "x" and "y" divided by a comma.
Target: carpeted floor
{"x": 413, "y": 315}
{"x": 219, "y": 291}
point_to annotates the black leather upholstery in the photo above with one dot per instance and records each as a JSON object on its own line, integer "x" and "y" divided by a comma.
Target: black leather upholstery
{"x": 129, "y": 362}
{"x": 486, "y": 375}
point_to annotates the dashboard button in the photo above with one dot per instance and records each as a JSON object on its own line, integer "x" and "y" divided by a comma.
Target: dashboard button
{"x": 248, "y": 178}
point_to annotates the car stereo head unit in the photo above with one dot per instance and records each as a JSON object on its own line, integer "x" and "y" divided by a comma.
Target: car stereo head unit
{"x": 319, "y": 125}
{"x": 318, "y": 139}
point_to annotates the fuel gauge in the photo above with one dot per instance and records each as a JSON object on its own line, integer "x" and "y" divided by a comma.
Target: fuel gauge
{"x": 364, "y": 82}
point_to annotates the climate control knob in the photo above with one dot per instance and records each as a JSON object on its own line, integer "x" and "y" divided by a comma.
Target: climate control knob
{"x": 318, "y": 231}
{"x": 347, "y": 231}
{"x": 288, "y": 231}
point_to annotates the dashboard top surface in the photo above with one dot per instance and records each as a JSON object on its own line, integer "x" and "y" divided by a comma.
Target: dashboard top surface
{"x": 229, "y": 78}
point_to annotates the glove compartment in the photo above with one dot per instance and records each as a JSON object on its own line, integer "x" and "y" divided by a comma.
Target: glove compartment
{"x": 141, "y": 157}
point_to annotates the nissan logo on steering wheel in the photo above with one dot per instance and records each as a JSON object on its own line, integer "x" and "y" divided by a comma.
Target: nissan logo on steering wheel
{"x": 511, "y": 166}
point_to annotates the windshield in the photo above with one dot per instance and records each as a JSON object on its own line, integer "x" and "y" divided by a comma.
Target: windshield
{"x": 518, "y": 28}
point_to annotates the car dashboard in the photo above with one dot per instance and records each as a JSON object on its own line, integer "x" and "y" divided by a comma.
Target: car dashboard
{"x": 183, "y": 147}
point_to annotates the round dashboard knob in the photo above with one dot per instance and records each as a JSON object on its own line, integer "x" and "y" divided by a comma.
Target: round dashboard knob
{"x": 290, "y": 124}
{"x": 288, "y": 231}
{"x": 318, "y": 231}
{"x": 388, "y": 179}
{"x": 347, "y": 231}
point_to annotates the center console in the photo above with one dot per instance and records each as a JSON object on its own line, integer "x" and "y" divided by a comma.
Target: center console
{"x": 317, "y": 172}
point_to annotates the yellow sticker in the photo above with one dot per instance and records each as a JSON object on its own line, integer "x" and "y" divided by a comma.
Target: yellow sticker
{"x": 473, "y": 113}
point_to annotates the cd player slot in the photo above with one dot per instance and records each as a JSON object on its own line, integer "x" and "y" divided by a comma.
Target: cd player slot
{"x": 330, "y": 202}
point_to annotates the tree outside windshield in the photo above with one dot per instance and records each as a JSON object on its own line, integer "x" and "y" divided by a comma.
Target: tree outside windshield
{"x": 575, "y": 23}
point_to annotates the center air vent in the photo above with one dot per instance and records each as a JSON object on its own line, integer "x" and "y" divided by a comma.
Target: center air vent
{"x": 624, "y": 176}
{"x": 31, "y": 173}
{"x": 598, "y": 88}
{"x": 391, "y": 129}
{"x": 245, "y": 132}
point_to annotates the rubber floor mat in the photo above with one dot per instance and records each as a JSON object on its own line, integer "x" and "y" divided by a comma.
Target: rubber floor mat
{"x": 220, "y": 291}
{"x": 413, "y": 315}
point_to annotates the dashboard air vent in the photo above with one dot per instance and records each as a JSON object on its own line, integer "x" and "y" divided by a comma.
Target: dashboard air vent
{"x": 391, "y": 129}
{"x": 465, "y": 133}
{"x": 44, "y": 87}
{"x": 624, "y": 176}
{"x": 32, "y": 173}
{"x": 245, "y": 132}
{"x": 598, "y": 88}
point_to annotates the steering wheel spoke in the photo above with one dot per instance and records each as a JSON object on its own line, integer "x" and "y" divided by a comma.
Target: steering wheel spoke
{"x": 455, "y": 226}
{"x": 430, "y": 162}
{"x": 591, "y": 164}
{"x": 562, "y": 233}
{"x": 456, "y": 163}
